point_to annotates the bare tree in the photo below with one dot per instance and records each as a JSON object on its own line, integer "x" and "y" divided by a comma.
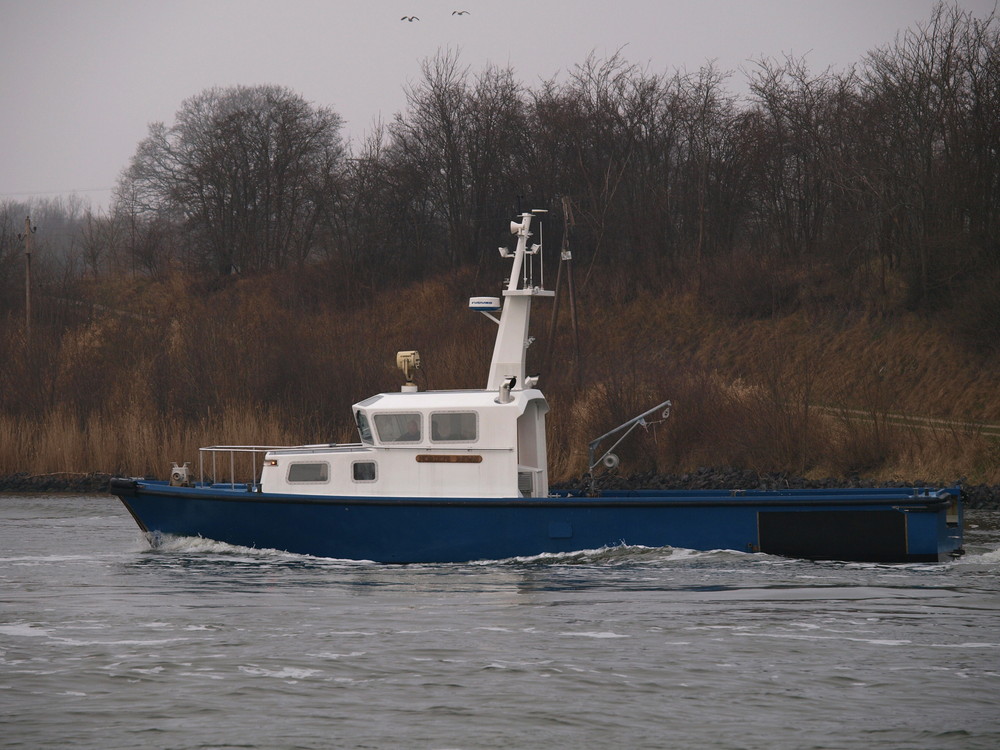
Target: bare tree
{"x": 932, "y": 98}
{"x": 248, "y": 171}
{"x": 810, "y": 175}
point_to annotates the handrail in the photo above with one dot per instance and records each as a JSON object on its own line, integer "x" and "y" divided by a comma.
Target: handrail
{"x": 232, "y": 450}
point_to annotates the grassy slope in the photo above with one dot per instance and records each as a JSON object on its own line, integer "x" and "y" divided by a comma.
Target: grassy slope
{"x": 745, "y": 391}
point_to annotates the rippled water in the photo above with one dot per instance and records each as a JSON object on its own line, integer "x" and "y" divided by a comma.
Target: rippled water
{"x": 108, "y": 643}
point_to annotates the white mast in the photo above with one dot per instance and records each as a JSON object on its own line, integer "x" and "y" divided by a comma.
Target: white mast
{"x": 512, "y": 338}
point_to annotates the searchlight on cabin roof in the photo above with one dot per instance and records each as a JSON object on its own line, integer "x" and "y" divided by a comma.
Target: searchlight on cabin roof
{"x": 409, "y": 363}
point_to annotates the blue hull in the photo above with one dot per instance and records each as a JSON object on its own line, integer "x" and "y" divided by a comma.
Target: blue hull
{"x": 874, "y": 525}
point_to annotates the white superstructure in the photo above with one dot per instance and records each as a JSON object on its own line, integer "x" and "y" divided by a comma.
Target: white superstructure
{"x": 475, "y": 443}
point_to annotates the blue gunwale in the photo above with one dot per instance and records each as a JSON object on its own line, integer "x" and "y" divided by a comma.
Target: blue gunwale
{"x": 917, "y": 497}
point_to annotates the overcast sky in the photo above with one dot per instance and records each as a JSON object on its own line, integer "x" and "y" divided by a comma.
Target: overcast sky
{"x": 80, "y": 80}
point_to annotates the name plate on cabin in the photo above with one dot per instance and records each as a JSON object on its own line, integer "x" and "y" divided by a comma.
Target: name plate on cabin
{"x": 446, "y": 458}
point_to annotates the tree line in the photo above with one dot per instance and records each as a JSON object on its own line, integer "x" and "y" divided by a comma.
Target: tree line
{"x": 889, "y": 169}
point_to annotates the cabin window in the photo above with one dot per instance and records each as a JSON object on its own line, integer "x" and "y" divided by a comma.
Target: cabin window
{"x": 398, "y": 428}
{"x": 364, "y": 430}
{"x": 364, "y": 471}
{"x": 453, "y": 427}
{"x": 314, "y": 471}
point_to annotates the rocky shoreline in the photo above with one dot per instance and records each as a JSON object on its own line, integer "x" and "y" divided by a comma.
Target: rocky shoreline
{"x": 724, "y": 478}
{"x": 84, "y": 483}
{"x": 980, "y": 496}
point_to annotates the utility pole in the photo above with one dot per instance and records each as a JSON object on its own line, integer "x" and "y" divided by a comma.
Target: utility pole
{"x": 28, "y": 231}
{"x": 565, "y": 259}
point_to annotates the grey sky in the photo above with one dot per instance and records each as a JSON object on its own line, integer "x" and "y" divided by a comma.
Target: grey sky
{"x": 80, "y": 80}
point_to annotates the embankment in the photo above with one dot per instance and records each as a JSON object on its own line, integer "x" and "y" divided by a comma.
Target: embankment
{"x": 719, "y": 478}
{"x": 728, "y": 478}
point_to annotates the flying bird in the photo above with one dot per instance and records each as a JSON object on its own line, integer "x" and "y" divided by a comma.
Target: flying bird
{"x": 411, "y": 19}
{"x": 460, "y": 12}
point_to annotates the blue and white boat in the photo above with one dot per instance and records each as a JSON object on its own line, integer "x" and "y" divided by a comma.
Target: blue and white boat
{"x": 454, "y": 476}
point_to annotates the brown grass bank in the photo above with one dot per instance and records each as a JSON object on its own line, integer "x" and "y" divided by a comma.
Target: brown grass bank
{"x": 809, "y": 391}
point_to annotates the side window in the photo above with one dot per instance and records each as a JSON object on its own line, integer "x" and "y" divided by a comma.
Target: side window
{"x": 364, "y": 471}
{"x": 398, "y": 428}
{"x": 363, "y": 429}
{"x": 309, "y": 472}
{"x": 454, "y": 427}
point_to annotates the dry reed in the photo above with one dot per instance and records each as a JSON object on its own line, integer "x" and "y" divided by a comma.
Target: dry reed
{"x": 236, "y": 366}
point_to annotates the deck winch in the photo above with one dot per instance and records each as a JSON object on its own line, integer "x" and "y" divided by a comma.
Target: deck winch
{"x": 180, "y": 476}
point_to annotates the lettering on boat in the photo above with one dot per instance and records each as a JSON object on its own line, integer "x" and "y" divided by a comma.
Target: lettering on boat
{"x": 445, "y": 458}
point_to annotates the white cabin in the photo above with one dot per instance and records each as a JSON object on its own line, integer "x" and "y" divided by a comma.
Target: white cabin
{"x": 426, "y": 444}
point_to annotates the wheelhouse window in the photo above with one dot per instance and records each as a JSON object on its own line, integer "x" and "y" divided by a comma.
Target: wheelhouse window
{"x": 314, "y": 471}
{"x": 364, "y": 429}
{"x": 398, "y": 428}
{"x": 364, "y": 471}
{"x": 454, "y": 427}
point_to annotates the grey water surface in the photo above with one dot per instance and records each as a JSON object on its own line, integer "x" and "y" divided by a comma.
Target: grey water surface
{"x": 107, "y": 642}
